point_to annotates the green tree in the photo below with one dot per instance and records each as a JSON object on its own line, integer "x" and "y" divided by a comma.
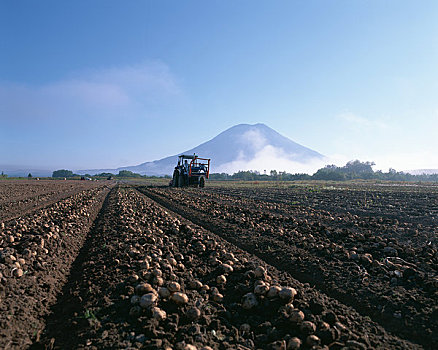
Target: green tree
{"x": 29, "y": 175}
{"x": 104, "y": 174}
{"x": 329, "y": 173}
{"x": 62, "y": 173}
{"x": 127, "y": 173}
{"x": 358, "y": 167}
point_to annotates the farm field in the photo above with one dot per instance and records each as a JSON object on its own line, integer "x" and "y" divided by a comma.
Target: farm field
{"x": 132, "y": 265}
{"x": 348, "y": 242}
{"x": 20, "y": 196}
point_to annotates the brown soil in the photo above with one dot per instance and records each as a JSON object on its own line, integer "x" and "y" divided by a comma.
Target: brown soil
{"x": 34, "y": 266}
{"x": 84, "y": 273}
{"x": 384, "y": 268}
{"x": 20, "y": 197}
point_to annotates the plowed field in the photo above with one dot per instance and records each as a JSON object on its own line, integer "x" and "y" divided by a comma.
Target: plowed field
{"x": 130, "y": 266}
{"x": 20, "y": 197}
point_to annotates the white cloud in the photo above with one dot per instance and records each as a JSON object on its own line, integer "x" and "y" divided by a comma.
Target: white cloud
{"x": 115, "y": 92}
{"x": 254, "y": 139}
{"x": 258, "y": 154}
{"x": 270, "y": 158}
{"x": 359, "y": 121}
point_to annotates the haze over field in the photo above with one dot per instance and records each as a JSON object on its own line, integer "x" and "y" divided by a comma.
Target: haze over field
{"x": 109, "y": 85}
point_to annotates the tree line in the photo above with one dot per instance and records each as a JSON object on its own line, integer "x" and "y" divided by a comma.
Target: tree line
{"x": 353, "y": 170}
{"x": 122, "y": 174}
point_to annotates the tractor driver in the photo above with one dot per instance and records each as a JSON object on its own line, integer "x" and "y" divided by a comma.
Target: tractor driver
{"x": 186, "y": 166}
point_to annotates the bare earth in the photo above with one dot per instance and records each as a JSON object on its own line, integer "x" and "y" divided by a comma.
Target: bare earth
{"x": 100, "y": 265}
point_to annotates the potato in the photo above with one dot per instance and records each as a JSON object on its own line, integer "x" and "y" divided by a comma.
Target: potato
{"x": 148, "y": 300}
{"x": 227, "y": 268}
{"x": 287, "y": 293}
{"x": 133, "y": 278}
{"x": 17, "y": 272}
{"x": 217, "y": 297}
{"x": 261, "y": 289}
{"x": 221, "y": 279}
{"x": 273, "y": 291}
{"x": 158, "y": 314}
{"x": 144, "y": 288}
{"x": 308, "y": 327}
{"x": 195, "y": 284}
{"x": 296, "y": 316}
{"x": 173, "y": 287}
{"x": 294, "y": 343}
{"x": 249, "y": 301}
{"x": 163, "y": 292}
{"x": 193, "y": 313}
{"x": 278, "y": 345}
{"x": 312, "y": 340}
{"x": 260, "y": 272}
{"x": 179, "y": 298}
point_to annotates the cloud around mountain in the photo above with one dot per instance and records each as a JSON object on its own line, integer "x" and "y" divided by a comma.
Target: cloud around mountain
{"x": 241, "y": 147}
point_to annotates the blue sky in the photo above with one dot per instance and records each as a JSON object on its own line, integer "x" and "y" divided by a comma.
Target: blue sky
{"x": 108, "y": 83}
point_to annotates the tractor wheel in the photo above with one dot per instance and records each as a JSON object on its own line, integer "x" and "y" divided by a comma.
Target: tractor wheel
{"x": 180, "y": 180}
{"x": 201, "y": 181}
{"x": 175, "y": 179}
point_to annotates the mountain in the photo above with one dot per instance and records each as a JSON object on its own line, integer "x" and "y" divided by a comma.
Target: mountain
{"x": 241, "y": 147}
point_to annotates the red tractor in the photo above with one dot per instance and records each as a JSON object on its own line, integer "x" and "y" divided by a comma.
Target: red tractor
{"x": 193, "y": 173}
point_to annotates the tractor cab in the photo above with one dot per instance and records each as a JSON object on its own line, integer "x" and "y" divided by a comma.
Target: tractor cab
{"x": 191, "y": 171}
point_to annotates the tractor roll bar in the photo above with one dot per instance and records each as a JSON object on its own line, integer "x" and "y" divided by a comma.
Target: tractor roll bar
{"x": 195, "y": 162}
{"x": 184, "y": 156}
